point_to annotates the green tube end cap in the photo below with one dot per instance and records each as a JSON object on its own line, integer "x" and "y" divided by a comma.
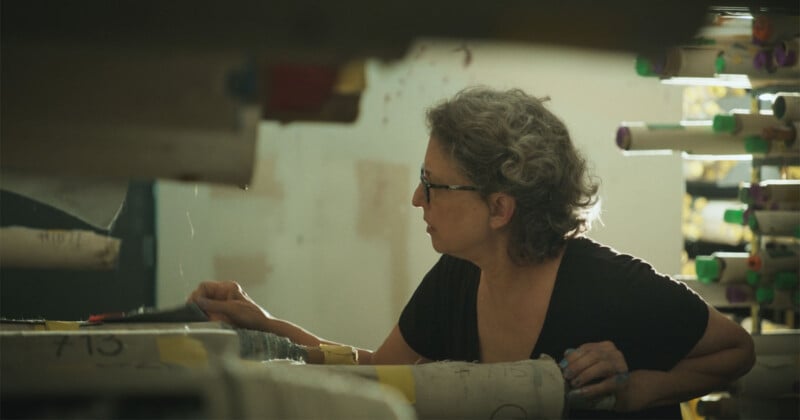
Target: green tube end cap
{"x": 755, "y": 144}
{"x": 765, "y": 295}
{"x": 724, "y": 124}
{"x": 707, "y": 268}
{"x": 719, "y": 64}
{"x": 753, "y": 278}
{"x": 735, "y": 216}
{"x": 785, "y": 280}
{"x": 644, "y": 67}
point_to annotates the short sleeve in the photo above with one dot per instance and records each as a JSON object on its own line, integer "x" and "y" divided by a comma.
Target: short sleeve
{"x": 665, "y": 314}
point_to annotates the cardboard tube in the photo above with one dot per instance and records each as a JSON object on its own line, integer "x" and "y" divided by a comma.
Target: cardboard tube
{"x": 694, "y": 139}
{"x": 786, "y": 106}
{"x": 24, "y": 247}
{"x": 442, "y": 390}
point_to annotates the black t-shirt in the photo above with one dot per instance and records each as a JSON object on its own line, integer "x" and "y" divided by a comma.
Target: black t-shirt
{"x": 599, "y": 295}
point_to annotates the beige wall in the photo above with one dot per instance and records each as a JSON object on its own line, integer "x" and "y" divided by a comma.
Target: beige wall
{"x": 326, "y": 236}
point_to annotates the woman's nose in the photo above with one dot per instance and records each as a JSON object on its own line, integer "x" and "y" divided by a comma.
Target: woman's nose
{"x": 418, "y": 198}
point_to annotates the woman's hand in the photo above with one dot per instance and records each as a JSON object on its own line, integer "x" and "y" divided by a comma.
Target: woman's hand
{"x": 596, "y": 371}
{"x": 227, "y": 302}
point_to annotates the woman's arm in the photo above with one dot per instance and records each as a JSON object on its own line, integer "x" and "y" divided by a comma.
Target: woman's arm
{"x": 228, "y": 302}
{"x": 395, "y": 351}
{"x": 724, "y": 353}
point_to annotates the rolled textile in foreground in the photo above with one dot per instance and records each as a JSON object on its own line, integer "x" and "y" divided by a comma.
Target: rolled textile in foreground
{"x": 24, "y": 247}
{"x": 441, "y": 390}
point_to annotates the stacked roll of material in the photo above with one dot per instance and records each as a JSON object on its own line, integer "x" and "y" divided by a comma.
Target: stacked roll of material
{"x": 441, "y": 390}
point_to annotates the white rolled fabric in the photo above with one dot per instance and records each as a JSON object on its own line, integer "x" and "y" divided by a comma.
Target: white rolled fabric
{"x": 462, "y": 390}
{"x": 23, "y": 247}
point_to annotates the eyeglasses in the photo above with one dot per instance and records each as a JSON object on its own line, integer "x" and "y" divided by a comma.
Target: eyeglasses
{"x": 427, "y": 186}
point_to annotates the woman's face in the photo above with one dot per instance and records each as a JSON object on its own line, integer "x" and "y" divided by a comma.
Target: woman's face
{"x": 458, "y": 220}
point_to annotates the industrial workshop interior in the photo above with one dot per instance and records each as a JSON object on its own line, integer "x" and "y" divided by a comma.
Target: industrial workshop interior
{"x": 216, "y": 210}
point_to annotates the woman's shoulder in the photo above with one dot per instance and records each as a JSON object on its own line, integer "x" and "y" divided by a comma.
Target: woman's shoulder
{"x": 586, "y": 255}
{"x": 585, "y": 249}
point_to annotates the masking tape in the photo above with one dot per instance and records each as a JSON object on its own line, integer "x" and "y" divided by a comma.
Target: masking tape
{"x": 62, "y": 325}
{"x": 339, "y": 355}
{"x": 400, "y": 378}
{"x": 182, "y": 350}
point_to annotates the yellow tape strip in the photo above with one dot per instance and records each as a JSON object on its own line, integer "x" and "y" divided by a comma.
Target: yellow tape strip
{"x": 182, "y": 350}
{"x": 61, "y": 325}
{"x": 400, "y": 378}
{"x": 339, "y": 355}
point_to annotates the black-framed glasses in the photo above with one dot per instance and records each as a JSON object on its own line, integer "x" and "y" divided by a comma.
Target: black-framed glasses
{"x": 427, "y": 186}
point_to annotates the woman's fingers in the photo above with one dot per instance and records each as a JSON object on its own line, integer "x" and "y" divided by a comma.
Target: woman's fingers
{"x": 213, "y": 316}
{"x": 226, "y": 301}
{"x": 597, "y": 370}
{"x": 218, "y": 290}
{"x": 593, "y": 364}
{"x": 610, "y": 385}
{"x": 211, "y": 305}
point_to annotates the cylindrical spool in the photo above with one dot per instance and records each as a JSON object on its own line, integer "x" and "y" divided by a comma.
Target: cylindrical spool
{"x": 785, "y": 53}
{"x": 786, "y": 106}
{"x": 767, "y": 262}
{"x": 743, "y": 125}
{"x": 768, "y": 69}
{"x": 722, "y": 267}
{"x": 24, "y": 247}
{"x": 765, "y": 193}
{"x": 713, "y": 224}
{"x": 769, "y": 28}
{"x": 788, "y": 133}
{"x": 445, "y": 390}
{"x": 679, "y": 62}
{"x": 757, "y": 64}
{"x": 695, "y": 62}
{"x": 695, "y": 139}
{"x": 735, "y": 60}
{"x": 775, "y": 222}
{"x": 739, "y": 293}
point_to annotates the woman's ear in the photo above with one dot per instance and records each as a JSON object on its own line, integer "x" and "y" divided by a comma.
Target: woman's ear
{"x": 501, "y": 209}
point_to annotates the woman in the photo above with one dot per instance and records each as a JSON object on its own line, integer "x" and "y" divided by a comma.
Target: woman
{"x": 506, "y": 197}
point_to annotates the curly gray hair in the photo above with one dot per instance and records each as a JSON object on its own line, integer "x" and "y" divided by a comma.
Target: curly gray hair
{"x": 507, "y": 141}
